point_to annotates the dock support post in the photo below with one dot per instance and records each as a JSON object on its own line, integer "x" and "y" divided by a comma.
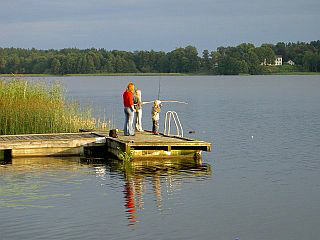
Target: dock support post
{"x": 5, "y": 156}
{"x": 197, "y": 155}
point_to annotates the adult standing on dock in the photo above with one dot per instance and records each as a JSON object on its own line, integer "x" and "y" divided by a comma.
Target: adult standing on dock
{"x": 129, "y": 110}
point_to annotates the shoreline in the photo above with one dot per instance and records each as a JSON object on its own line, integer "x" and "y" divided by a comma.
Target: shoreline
{"x": 151, "y": 74}
{"x": 94, "y": 74}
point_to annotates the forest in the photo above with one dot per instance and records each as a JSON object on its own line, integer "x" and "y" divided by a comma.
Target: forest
{"x": 245, "y": 58}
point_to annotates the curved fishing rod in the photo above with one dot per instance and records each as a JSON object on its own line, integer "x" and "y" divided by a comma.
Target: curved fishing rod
{"x": 169, "y": 101}
{"x": 159, "y": 88}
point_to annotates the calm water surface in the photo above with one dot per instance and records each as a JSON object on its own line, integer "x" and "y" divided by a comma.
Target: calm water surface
{"x": 262, "y": 181}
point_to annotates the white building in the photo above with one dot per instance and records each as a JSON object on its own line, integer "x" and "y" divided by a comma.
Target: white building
{"x": 277, "y": 62}
{"x": 290, "y": 62}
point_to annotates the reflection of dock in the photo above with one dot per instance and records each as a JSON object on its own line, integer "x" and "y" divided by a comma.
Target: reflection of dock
{"x": 164, "y": 178}
{"x": 141, "y": 145}
{"x": 165, "y": 166}
{"x": 144, "y": 184}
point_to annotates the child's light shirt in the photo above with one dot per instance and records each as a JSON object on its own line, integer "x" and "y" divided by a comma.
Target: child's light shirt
{"x": 155, "y": 113}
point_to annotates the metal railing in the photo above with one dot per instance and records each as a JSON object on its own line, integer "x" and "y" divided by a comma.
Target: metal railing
{"x": 167, "y": 124}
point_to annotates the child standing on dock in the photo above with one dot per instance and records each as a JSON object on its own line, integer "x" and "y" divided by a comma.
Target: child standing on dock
{"x": 156, "y": 116}
{"x": 138, "y": 108}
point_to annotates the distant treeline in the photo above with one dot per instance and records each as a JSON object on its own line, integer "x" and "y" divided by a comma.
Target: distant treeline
{"x": 244, "y": 58}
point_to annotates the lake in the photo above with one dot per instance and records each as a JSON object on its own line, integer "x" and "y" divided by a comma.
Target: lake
{"x": 262, "y": 180}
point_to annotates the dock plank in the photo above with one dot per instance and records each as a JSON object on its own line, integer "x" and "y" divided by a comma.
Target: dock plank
{"x": 9, "y": 138}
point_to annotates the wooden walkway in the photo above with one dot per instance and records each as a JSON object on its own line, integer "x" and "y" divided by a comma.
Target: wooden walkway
{"x": 64, "y": 144}
{"x": 44, "y": 137}
{"x": 143, "y": 144}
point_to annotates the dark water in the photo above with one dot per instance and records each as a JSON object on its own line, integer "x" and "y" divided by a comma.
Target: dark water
{"x": 262, "y": 181}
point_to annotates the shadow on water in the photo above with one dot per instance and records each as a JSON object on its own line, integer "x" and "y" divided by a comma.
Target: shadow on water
{"x": 161, "y": 177}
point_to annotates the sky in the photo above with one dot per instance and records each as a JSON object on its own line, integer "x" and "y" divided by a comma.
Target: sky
{"x": 161, "y": 25}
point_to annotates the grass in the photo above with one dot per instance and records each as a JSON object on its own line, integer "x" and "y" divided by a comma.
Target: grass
{"x": 26, "y": 75}
{"x": 128, "y": 74}
{"x": 125, "y": 156}
{"x": 287, "y": 69}
{"x": 296, "y": 73}
{"x": 94, "y": 74}
{"x": 34, "y": 107}
{"x": 270, "y": 72}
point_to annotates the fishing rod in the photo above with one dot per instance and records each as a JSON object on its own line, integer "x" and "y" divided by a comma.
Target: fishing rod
{"x": 169, "y": 101}
{"x": 159, "y": 88}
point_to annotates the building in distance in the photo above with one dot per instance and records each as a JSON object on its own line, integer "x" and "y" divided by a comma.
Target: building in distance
{"x": 290, "y": 62}
{"x": 277, "y": 62}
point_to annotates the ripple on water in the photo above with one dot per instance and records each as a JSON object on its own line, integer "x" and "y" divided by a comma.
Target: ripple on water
{"x": 37, "y": 186}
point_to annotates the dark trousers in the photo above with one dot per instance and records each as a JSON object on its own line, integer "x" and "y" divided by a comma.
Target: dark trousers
{"x": 155, "y": 126}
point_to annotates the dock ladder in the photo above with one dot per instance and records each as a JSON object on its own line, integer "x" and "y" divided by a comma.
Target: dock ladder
{"x": 167, "y": 124}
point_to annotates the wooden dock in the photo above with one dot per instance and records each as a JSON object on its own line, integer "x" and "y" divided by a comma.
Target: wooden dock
{"x": 64, "y": 144}
{"x": 142, "y": 145}
{"x": 146, "y": 144}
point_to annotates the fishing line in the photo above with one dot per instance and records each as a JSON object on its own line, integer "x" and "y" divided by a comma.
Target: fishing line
{"x": 159, "y": 89}
{"x": 189, "y": 129}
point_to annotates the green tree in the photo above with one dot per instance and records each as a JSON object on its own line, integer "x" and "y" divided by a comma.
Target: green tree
{"x": 311, "y": 61}
{"x": 229, "y": 66}
{"x": 243, "y": 67}
{"x": 14, "y": 64}
{"x": 265, "y": 54}
{"x": 55, "y": 66}
{"x": 281, "y": 49}
{"x": 90, "y": 65}
{"x": 2, "y": 64}
{"x": 206, "y": 62}
{"x": 40, "y": 65}
{"x": 193, "y": 60}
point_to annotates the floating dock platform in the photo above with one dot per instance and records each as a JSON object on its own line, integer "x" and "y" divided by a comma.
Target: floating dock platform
{"x": 143, "y": 144}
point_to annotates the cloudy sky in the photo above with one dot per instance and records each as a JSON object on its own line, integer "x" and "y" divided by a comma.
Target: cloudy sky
{"x": 155, "y": 24}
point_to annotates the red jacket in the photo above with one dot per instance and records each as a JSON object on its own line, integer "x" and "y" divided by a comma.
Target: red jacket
{"x": 128, "y": 99}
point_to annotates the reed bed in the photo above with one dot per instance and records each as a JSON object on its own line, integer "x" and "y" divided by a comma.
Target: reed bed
{"x": 36, "y": 107}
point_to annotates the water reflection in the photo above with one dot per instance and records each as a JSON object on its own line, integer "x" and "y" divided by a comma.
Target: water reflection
{"x": 24, "y": 182}
{"x": 162, "y": 178}
{"x": 5, "y": 161}
{"x": 143, "y": 186}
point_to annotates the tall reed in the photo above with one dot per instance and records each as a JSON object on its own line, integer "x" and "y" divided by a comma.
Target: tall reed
{"x": 35, "y": 107}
